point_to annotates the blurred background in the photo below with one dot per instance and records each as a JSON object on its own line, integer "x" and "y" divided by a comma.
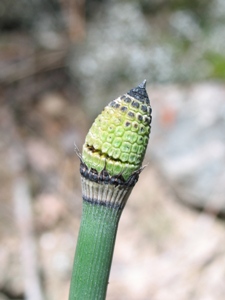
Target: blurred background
{"x": 61, "y": 62}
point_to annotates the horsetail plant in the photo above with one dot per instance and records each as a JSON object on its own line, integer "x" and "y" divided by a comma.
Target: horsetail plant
{"x": 110, "y": 165}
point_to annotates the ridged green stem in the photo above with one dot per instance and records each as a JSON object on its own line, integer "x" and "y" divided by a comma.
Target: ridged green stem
{"x": 94, "y": 252}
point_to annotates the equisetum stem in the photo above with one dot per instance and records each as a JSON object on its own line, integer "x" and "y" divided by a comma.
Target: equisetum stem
{"x": 102, "y": 207}
{"x": 94, "y": 251}
{"x": 110, "y": 166}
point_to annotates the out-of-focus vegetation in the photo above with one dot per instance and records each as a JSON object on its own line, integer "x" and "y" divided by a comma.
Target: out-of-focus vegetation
{"x": 176, "y": 40}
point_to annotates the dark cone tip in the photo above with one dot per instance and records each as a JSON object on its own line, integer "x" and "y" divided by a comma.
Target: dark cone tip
{"x": 140, "y": 93}
{"x": 143, "y": 84}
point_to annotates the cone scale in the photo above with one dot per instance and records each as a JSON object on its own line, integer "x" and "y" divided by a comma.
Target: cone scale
{"x": 111, "y": 162}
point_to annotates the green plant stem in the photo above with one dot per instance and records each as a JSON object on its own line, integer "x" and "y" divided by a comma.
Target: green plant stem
{"x": 110, "y": 165}
{"x": 94, "y": 251}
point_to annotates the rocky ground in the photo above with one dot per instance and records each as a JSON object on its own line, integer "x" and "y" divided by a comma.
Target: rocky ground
{"x": 164, "y": 249}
